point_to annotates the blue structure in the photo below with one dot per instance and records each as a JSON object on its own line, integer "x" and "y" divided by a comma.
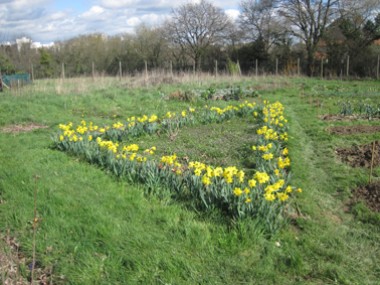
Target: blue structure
{"x": 16, "y": 79}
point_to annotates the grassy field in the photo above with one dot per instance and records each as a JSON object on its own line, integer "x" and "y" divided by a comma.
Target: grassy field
{"x": 94, "y": 228}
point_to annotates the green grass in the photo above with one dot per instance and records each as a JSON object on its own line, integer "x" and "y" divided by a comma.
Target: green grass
{"x": 96, "y": 229}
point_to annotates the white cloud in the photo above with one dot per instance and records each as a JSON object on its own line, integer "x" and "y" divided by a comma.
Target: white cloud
{"x": 25, "y": 4}
{"x": 117, "y": 3}
{"x": 232, "y": 13}
{"x": 58, "y": 16}
{"x": 134, "y": 21}
{"x": 42, "y": 22}
{"x": 93, "y": 12}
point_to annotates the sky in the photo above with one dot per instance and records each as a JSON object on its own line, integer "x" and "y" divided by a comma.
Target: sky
{"x": 47, "y": 21}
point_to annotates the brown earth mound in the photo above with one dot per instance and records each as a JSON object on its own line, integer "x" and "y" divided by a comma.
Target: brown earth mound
{"x": 350, "y": 130}
{"x": 361, "y": 155}
{"x": 370, "y": 194}
{"x": 14, "y": 129}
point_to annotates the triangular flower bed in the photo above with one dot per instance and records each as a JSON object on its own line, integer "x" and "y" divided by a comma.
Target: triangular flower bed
{"x": 262, "y": 195}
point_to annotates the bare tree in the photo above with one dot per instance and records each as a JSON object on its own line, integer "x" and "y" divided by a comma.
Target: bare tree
{"x": 367, "y": 9}
{"x": 196, "y": 26}
{"x": 259, "y": 20}
{"x": 150, "y": 43}
{"x": 309, "y": 19}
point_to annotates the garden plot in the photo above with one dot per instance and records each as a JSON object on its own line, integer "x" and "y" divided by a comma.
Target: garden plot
{"x": 370, "y": 194}
{"x": 352, "y": 130}
{"x": 360, "y": 155}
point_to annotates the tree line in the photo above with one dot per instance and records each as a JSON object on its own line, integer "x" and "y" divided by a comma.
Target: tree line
{"x": 275, "y": 36}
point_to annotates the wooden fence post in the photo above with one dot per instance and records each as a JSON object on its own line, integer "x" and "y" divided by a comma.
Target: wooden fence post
{"x": 32, "y": 71}
{"x": 348, "y": 66}
{"x": 146, "y": 69}
{"x": 256, "y": 68}
{"x": 238, "y": 67}
{"x": 276, "y": 66}
{"x": 63, "y": 71}
{"x": 216, "y": 68}
{"x": 378, "y": 66}
{"x": 298, "y": 66}
{"x": 120, "y": 70}
{"x": 93, "y": 70}
{"x": 322, "y": 68}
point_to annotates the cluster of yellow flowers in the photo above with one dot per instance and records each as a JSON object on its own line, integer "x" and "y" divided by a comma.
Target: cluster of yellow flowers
{"x": 273, "y": 132}
{"x": 106, "y": 144}
{"x": 118, "y": 126}
{"x": 238, "y": 192}
{"x": 77, "y": 134}
{"x": 209, "y": 172}
{"x": 224, "y": 110}
{"x": 221, "y": 111}
{"x": 171, "y": 161}
{"x": 270, "y": 181}
{"x": 273, "y": 114}
{"x": 125, "y": 152}
{"x": 143, "y": 119}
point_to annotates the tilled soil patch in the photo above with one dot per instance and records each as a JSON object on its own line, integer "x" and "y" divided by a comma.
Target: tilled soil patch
{"x": 350, "y": 130}
{"x": 360, "y": 155}
{"x": 370, "y": 194}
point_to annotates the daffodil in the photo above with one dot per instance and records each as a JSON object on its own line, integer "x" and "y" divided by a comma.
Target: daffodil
{"x": 238, "y": 191}
{"x": 252, "y": 183}
{"x": 268, "y": 156}
{"x": 206, "y": 180}
{"x": 261, "y": 177}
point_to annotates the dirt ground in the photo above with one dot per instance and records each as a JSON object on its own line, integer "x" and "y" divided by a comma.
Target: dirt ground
{"x": 11, "y": 260}
{"x": 360, "y": 155}
{"x": 14, "y": 129}
{"x": 334, "y": 117}
{"x": 370, "y": 194}
{"x": 351, "y": 130}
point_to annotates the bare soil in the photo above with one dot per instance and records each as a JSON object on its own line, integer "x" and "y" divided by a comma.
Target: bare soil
{"x": 14, "y": 129}
{"x": 370, "y": 194}
{"x": 335, "y": 117}
{"x": 351, "y": 130}
{"x": 361, "y": 155}
{"x": 11, "y": 260}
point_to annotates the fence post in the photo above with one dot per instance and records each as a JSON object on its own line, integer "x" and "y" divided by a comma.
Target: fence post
{"x": 63, "y": 71}
{"x": 93, "y": 70}
{"x": 32, "y": 71}
{"x": 322, "y": 68}
{"x": 146, "y": 69}
{"x": 256, "y": 67}
{"x": 378, "y": 66}
{"x": 171, "y": 69}
{"x": 276, "y": 66}
{"x": 348, "y": 66}
{"x": 216, "y": 68}
{"x": 298, "y": 66}
{"x": 238, "y": 67}
{"x": 120, "y": 70}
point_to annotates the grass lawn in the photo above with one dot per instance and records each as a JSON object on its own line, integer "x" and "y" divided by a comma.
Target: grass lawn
{"x": 94, "y": 228}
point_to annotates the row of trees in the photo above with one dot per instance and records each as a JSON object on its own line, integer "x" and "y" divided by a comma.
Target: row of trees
{"x": 276, "y": 33}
